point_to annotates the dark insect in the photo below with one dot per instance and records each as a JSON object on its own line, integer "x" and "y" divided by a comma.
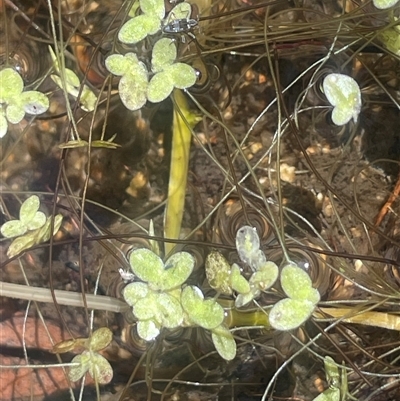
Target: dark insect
{"x": 179, "y": 25}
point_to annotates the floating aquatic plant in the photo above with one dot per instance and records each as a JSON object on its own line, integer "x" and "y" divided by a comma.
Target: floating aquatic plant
{"x": 89, "y": 360}
{"x": 134, "y": 86}
{"x": 151, "y": 21}
{"x": 156, "y": 301}
{"x": 265, "y": 272}
{"x": 343, "y": 93}
{"x": 289, "y": 313}
{"x": 72, "y": 85}
{"x": 31, "y": 228}
{"x": 14, "y": 102}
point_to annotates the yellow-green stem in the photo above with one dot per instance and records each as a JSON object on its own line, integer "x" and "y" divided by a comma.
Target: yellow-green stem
{"x": 181, "y": 135}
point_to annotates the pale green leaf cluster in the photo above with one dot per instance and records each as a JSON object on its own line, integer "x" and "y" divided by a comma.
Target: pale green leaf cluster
{"x": 31, "y": 228}
{"x": 290, "y": 313}
{"x": 265, "y": 273}
{"x": 161, "y": 299}
{"x": 223, "y": 277}
{"x": 151, "y": 20}
{"x": 168, "y": 75}
{"x": 134, "y": 86}
{"x": 287, "y": 314}
{"x": 91, "y": 361}
{"x": 344, "y": 94}
{"x": 70, "y": 82}
{"x": 208, "y": 314}
{"x": 14, "y": 102}
{"x": 383, "y": 4}
{"x": 156, "y": 301}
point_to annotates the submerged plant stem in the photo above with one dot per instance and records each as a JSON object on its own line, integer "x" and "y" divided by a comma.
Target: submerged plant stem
{"x": 98, "y": 302}
{"x": 178, "y": 172}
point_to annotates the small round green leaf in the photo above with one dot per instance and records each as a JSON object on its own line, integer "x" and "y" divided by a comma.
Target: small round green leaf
{"x": 29, "y": 208}
{"x": 136, "y": 29}
{"x": 390, "y": 38}
{"x": 133, "y": 90}
{"x": 44, "y": 233}
{"x": 100, "y": 339}
{"x": 288, "y": 314}
{"x": 118, "y": 64}
{"x": 383, "y": 4}
{"x": 15, "y": 113}
{"x": 244, "y": 299}
{"x": 34, "y": 102}
{"x": 146, "y": 264}
{"x": 238, "y": 282}
{"x": 160, "y": 87}
{"x": 224, "y": 342}
{"x": 169, "y": 311}
{"x": 77, "y": 372}
{"x": 153, "y": 7}
{"x": 3, "y": 124}
{"x": 149, "y": 267}
{"x": 133, "y": 292}
{"x": 178, "y": 268}
{"x": 21, "y": 244}
{"x": 183, "y": 75}
{"x": 148, "y": 329}
{"x": 205, "y": 313}
{"x": 247, "y": 243}
{"x": 180, "y": 11}
{"x": 164, "y": 54}
{"x": 88, "y": 99}
{"x": 13, "y": 228}
{"x": 11, "y": 84}
{"x": 344, "y": 94}
{"x": 297, "y": 284}
{"x": 265, "y": 276}
{"x": 39, "y": 219}
{"x": 146, "y": 308}
{"x": 218, "y": 273}
{"x": 100, "y": 369}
